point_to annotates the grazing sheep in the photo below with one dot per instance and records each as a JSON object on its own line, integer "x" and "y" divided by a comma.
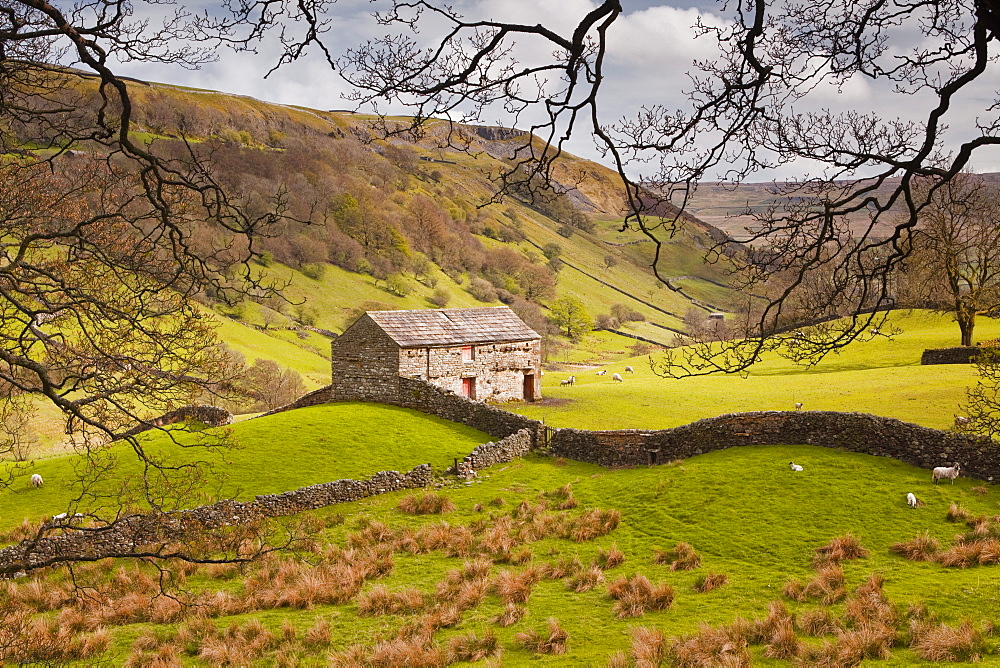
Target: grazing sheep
{"x": 602, "y": 372}
{"x": 794, "y": 466}
{"x": 617, "y": 377}
{"x": 873, "y": 331}
{"x": 798, "y": 405}
{"x": 911, "y": 500}
{"x": 962, "y": 421}
{"x": 36, "y": 480}
{"x": 946, "y": 472}
{"x": 629, "y": 369}
{"x": 569, "y": 381}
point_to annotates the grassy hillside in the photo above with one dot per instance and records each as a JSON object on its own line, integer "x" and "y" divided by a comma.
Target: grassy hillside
{"x": 742, "y": 510}
{"x": 268, "y": 455}
{"x": 882, "y": 377}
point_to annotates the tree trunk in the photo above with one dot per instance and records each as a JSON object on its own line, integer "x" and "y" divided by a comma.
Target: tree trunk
{"x": 966, "y": 322}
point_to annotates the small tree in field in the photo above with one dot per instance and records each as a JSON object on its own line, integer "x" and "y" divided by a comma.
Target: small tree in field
{"x": 571, "y": 317}
{"x": 955, "y": 264}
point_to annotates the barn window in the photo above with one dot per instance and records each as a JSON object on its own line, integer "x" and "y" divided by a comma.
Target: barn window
{"x": 468, "y": 353}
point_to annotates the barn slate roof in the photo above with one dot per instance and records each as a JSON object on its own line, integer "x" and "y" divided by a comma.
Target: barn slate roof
{"x": 453, "y": 326}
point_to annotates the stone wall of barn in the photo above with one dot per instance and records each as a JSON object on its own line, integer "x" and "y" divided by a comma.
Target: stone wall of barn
{"x": 498, "y": 368}
{"x": 857, "y": 432}
{"x": 365, "y": 364}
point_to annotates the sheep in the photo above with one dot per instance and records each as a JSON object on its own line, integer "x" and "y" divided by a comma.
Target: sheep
{"x": 569, "y": 381}
{"x": 962, "y": 421}
{"x": 911, "y": 500}
{"x": 36, "y": 480}
{"x": 602, "y": 372}
{"x": 794, "y": 466}
{"x": 946, "y": 472}
{"x": 798, "y": 405}
{"x": 617, "y": 377}
{"x": 629, "y": 369}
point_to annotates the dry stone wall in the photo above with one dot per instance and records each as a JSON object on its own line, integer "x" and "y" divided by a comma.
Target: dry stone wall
{"x": 506, "y": 449}
{"x": 213, "y": 416}
{"x": 957, "y": 355}
{"x": 138, "y": 532}
{"x": 857, "y": 432}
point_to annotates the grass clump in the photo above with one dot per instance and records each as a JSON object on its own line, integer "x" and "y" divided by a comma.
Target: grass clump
{"x": 920, "y": 548}
{"x": 551, "y": 640}
{"x": 839, "y": 549}
{"x": 709, "y": 581}
{"x": 942, "y": 643}
{"x": 426, "y": 504}
{"x": 681, "y": 558}
{"x": 609, "y": 558}
{"x": 473, "y": 646}
{"x": 636, "y": 595}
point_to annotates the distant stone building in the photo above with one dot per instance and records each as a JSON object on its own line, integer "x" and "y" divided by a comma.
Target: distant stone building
{"x": 487, "y": 354}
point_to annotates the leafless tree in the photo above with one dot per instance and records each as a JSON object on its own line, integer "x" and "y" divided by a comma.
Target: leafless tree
{"x": 747, "y": 111}
{"x": 955, "y": 263}
{"x": 103, "y": 248}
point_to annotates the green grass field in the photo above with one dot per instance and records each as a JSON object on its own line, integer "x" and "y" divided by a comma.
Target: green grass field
{"x": 271, "y": 454}
{"x": 744, "y": 512}
{"x": 882, "y": 377}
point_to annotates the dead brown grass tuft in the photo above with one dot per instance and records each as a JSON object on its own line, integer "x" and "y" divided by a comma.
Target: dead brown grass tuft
{"x": 828, "y": 585}
{"x": 564, "y": 568}
{"x": 839, "y": 549}
{"x": 410, "y": 652}
{"x": 552, "y": 640}
{"x": 817, "y": 623}
{"x": 512, "y": 614}
{"x": 318, "y": 635}
{"x": 592, "y": 524}
{"x": 710, "y": 581}
{"x": 380, "y": 601}
{"x": 649, "y": 647}
{"x": 515, "y": 587}
{"x": 963, "y": 555}
{"x": 716, "y": 647}
{"x": 474, "y": 647}
{"x": 428, "y": 503}
{"x": 868, "y": 641}
{"x": 948, "y": 643}
{"x": 636, "y": 594}
{"x": 920, "y": 548}
{"x": 609, "y": 558}
{"x": 521, "y": 557}
{"x": 957, "y": 513}
{"x": 585, "y": 580}
{"x": 782, "y": 643}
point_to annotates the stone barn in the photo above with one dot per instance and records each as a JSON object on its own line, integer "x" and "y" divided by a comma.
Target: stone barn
{"x": 487, "y": 354}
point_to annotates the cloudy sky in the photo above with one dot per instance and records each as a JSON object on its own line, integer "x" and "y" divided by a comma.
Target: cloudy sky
{"x": 651, "y": 48}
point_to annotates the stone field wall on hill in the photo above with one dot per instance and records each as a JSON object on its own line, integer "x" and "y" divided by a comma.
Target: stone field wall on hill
{"x": 857, "y": 432}
{"x": 957, "y": 355}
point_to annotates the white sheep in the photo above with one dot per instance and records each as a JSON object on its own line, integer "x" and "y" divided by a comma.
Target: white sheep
{"x": 629, "y": 369}
{"x": 946, "y": 472}
{"x": 617, "y": 377}
{"x": 602, "y": 372}
{"x": 962, "y": 421}
{"x": 798, "y": 405}
{"x": 911, "y": 500}
{"x": 36, "y": 480}
{"x": 794, "y": 466}
{"x": 569, "y": 381}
